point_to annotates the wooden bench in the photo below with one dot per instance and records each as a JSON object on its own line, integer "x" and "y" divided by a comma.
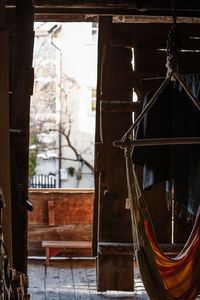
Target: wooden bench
{"x": 55, "y": 247}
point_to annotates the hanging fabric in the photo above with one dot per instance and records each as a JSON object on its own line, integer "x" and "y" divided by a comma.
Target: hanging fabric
{"x": 171, "y": 116}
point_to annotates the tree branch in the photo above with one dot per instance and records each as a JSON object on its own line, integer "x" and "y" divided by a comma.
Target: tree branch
{"x": 78, "y": 155}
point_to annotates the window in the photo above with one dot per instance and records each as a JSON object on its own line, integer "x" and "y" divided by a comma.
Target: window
{"x": 94, "y": 32}
{"x": 92, "y": 100}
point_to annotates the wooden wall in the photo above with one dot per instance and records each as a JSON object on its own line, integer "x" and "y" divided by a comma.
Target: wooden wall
{"x": 4, "y": 140}
{"x": 61, "y": 215}
{"x": 115, "y": 83}
{"x": 150, "y": 59}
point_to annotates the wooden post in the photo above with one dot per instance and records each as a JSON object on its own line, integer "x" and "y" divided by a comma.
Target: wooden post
{"x": 98, "y": 153}
{"x": 4, "y": 141}
{"x": 114, "y": 271}
{"x": 21, "y": 87}
{"x": 51, "y": 213}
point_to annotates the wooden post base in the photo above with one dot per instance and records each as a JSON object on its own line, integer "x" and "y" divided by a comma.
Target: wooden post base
{"x": 112, "y": 271}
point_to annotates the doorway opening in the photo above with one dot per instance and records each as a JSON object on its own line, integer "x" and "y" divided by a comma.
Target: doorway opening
{"x": 62, "y": 127}
{"x": 62, "y": 119}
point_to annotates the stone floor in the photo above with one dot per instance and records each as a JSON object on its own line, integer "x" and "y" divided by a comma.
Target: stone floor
{"x": 73, "y": 280}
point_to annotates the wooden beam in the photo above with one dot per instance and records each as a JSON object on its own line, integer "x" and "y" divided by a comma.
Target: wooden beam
{"x": 120, "y": 106}
{"x": 152, "y": 19}
{"x": 120, "y": 15}
{"x": 186, "y": 16}
{"x": 65, "y": 15}
{"x": 62, "y": 17}
{"x": 154, "y": 4}
{"x": 116, "y": 248}
{"x": 21, "y": 81}
{"x": 159, "y": 142}
{"x": 103, "y": 37}
{"x": 5, "y": 142}
{"x": 2, "y": 14}
{"x": 114, "y": 223}
{"x": 127, "y": 248}
{"x": 108, "y": 8}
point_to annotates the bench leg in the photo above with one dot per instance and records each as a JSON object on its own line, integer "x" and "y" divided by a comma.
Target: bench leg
{"x": 54, "y": 251}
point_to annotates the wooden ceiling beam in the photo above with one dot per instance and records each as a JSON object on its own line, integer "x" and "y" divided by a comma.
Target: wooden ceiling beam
{"x": 65, "y": 18}
{"x": 112, "y": 7}
{"x": 71, "y": 10}
{"x": 130, "y": 16}
{"x": 70, "y": 15}
{"x": 91, "y": 15}
{"x": 129, "y": 4}
{"x": 113, "y": 11}
{"x": 153, "y": 19}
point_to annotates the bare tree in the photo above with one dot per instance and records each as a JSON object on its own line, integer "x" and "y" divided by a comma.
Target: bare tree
{"x": 43, "y": 111}
{"x": 66, "y": 132}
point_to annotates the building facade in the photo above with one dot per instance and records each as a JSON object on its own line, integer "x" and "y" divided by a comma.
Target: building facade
{"x": 64, "y": 102}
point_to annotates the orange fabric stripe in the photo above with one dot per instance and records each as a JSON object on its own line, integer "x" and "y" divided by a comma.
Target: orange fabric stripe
{"x": 177, "y": 274}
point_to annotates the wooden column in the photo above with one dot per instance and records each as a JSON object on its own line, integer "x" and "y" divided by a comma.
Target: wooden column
{"x": 21, "y": 87}
{"x": 4, "y": 138}
{"x": 98, "y": 145}
{"x": 114, "y": 271}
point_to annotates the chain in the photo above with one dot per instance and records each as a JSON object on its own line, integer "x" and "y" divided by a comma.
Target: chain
{"x": 173, "y": 47}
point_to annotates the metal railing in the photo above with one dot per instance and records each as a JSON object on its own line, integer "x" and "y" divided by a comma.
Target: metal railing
{"x": 41, "y": 181}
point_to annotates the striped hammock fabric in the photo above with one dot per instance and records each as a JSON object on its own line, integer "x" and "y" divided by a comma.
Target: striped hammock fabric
{"x": 164, "y": 278}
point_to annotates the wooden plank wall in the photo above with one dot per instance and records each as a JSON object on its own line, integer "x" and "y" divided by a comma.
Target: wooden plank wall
{"x": 149, "y": 42}
{"x": 150, "y": 62}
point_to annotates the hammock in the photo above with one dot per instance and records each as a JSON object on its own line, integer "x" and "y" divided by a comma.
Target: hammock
{"x": 164, "y": 278}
